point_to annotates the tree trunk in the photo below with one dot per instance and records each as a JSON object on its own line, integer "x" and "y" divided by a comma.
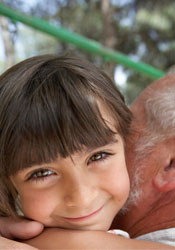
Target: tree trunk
{"x": 109, "y": 32}
{"x": 8, "y": 42}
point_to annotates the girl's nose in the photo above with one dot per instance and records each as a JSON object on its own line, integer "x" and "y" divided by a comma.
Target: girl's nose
{"x": 80, "y": 192}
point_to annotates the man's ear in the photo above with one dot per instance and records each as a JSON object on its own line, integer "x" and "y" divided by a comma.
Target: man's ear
{"x": 164, "y": 180}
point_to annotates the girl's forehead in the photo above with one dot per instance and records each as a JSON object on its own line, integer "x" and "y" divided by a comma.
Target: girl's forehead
{"x": 107, "y": 115}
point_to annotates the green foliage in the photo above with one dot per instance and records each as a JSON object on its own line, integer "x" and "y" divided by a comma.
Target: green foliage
{"x": 144, "y": 30}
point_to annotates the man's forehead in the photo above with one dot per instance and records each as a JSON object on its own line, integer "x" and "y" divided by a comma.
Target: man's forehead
{"x": 164, "y": 82}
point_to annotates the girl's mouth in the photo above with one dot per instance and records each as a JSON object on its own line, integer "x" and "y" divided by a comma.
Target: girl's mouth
{"x": 82, "y": 218}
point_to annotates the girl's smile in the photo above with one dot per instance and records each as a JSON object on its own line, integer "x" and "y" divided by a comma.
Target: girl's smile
{"x": 86, "y": 217}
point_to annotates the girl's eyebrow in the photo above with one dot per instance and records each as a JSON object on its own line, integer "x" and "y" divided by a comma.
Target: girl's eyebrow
{"x": 113, "y": 141}
{"x": 86, "y": 151}
{"x": 33, "y": 166}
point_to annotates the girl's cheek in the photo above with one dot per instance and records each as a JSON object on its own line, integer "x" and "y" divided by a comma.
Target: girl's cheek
{"x": 36, "y": 206}
{"x": 117, "y": 179}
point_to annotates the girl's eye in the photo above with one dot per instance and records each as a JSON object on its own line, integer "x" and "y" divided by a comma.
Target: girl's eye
{"x": 99, "y": 156}
{"x": 41, "y": 174}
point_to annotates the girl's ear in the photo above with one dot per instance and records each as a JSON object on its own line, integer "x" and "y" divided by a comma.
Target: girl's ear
{"x": 164, "y": 180}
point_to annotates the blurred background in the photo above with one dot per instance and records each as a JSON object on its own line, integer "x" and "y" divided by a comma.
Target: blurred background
{"x": 144, "y": 30}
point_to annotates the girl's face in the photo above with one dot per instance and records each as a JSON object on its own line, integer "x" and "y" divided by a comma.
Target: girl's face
{"x": 83, "y": 192}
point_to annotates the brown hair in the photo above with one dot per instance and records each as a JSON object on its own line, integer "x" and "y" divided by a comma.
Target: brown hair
{"x": 49, "y": 107}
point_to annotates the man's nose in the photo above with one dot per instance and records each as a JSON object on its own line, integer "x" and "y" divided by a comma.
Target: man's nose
{"x": 79, "y": 191}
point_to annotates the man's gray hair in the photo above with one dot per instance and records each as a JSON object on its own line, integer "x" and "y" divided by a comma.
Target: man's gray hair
{"x": 160, "y": 125}
{"x": 160, "y": 120}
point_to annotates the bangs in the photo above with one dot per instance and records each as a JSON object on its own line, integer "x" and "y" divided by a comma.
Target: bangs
{"x": 54, "y": 118}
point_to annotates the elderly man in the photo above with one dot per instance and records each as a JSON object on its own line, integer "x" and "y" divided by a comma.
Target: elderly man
{"x": 149, "y": 212}
{"x": 151, "y": 161}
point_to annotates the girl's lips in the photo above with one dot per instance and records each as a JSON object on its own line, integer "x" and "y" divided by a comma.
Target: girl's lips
{"x": 77, "y": 219}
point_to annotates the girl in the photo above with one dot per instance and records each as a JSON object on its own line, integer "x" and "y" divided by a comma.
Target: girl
{"x": 63, "y": 125}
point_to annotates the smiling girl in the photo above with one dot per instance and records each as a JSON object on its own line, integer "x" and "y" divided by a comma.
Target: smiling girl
{"x": 63, "y": 124}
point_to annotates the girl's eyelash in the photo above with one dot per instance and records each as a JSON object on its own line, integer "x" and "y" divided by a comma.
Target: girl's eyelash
{"x": 43, "y": 174}
{"x": 99, "y": 156}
